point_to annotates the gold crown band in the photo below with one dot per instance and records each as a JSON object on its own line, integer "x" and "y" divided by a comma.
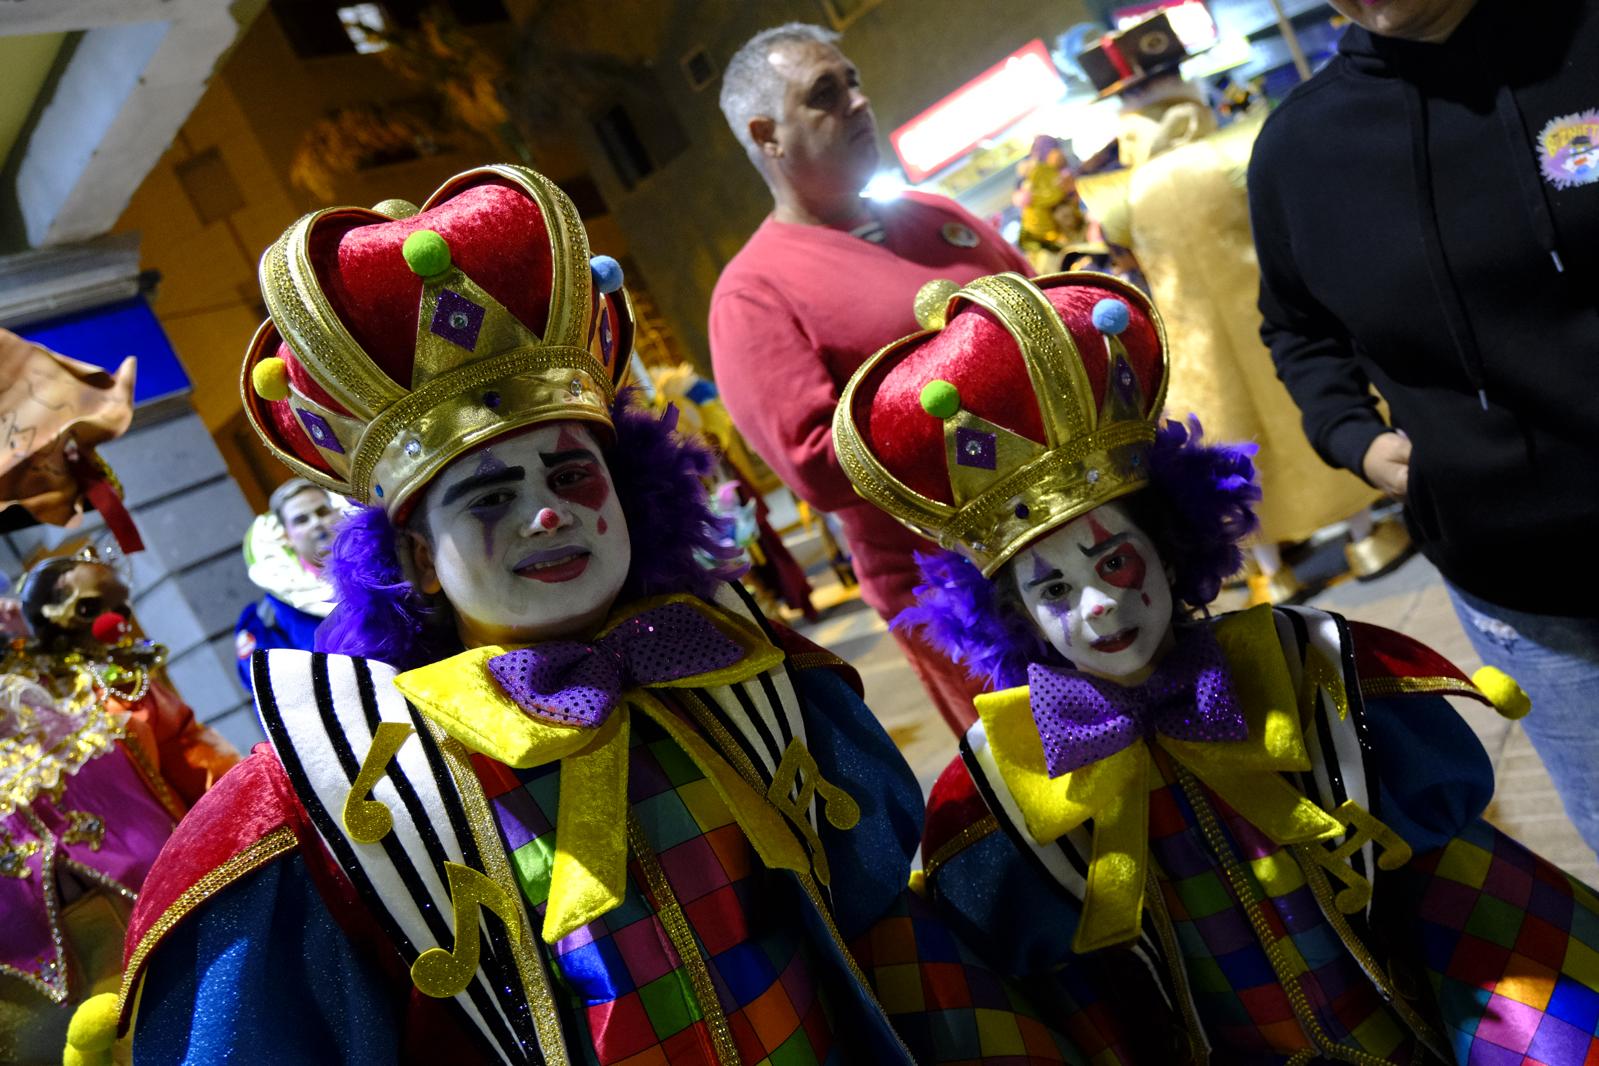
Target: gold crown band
{"x": 413, "y": 439}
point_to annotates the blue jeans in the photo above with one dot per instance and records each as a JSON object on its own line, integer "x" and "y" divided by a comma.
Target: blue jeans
{"x": 1556, "y": 660}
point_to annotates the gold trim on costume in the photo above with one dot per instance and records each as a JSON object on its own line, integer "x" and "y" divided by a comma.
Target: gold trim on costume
{"x": 278, "y": 842}
{"x": 1244, "y": 888}
{"x": 486, "y": 834}
{"x": 958, "y": 843}
{"x": 670, "y": 913}
{"x": 1382, "y": 687}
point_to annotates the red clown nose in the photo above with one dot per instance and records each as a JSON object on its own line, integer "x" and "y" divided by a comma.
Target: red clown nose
{"x": 109, "y": 627}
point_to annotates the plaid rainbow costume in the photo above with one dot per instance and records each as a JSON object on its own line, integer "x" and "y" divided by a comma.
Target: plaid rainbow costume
{"x": 289, "y": 894}
{"x": 1419, "y": 935}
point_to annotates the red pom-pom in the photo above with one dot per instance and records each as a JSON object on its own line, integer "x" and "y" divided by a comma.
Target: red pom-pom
{"x": 109, "y": 628}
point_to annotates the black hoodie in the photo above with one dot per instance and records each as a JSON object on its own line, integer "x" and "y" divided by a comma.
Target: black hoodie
{"x": 1412, "y": 236}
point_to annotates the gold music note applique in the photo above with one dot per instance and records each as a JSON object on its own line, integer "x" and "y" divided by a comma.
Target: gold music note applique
{"x": 368, "y": 820}
{"x": 442, "y": 974}
{"x": 799, "y": 769}
{"x": 1363, "y": 826}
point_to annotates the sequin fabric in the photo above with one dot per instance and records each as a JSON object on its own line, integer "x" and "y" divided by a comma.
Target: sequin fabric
{"x": 457, "y": 319}
{"x": 1082, "y": 719}
{"x": 579, "y": 684}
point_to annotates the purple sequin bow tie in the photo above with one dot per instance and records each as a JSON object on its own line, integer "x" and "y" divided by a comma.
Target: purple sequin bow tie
{"x": 570, "y": 683}
{"x": 1083, "y": 719}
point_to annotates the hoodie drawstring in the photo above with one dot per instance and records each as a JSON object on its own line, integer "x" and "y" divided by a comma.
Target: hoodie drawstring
{"x": 1449, "y": 300}
{"x": 1533, "y": 193}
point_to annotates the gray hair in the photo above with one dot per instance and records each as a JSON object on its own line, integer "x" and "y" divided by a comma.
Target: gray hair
{"x": 288, "y": 491}
{"x": 752, "y": 88}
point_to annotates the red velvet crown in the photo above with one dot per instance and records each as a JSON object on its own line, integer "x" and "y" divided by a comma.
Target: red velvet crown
{"x": 363, "y": 329}
{"x": 1013, "y": 416}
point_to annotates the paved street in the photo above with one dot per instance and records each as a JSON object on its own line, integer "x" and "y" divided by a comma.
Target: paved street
{"x": 1411, "y": 599}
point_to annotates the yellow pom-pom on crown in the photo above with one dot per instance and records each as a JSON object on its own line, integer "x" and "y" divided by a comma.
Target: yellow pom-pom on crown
{"x": 270, "y": 379}
{"x": 1508, "y": 697}
{"x": 92, "y": 1032}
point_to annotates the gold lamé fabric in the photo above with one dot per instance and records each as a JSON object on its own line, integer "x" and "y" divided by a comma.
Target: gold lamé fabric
{"x": 1187, "y": 220}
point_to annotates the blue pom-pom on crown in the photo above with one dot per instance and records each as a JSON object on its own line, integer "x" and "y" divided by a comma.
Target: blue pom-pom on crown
{"x": 1110, "y": 316}
{"x": 607, "y": 273}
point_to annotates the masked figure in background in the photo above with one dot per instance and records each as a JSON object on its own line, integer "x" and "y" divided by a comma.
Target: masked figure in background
{"x": 285, "y": 550}
{"x": 98, "y": 761}
{"x": 1181, "y": 206}
{"x": 1052, "y": 215}
{"x": 551, "y": 791}
{"x": 1275, "y": 811}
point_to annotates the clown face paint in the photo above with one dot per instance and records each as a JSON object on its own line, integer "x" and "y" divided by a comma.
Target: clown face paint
{"x": 1096, "y": 590}
{"x": 527, "y": 538}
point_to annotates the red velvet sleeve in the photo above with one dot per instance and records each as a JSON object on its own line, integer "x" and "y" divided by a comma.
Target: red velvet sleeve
{"x": 780, "y": 393}
{"x": 953, "y": 806}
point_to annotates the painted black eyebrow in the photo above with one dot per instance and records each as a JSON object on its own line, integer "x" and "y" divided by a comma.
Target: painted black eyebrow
{"x": 1103, "y": 546}
{"x": 1053, "y": 575}
{"x": 478, "y": 481}
{"x": 557, "y": 458}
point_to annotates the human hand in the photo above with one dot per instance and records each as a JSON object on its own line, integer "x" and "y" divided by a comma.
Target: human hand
{"x": 1387, "y": 464}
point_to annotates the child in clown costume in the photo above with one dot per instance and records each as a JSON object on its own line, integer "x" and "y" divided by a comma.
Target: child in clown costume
{"x": 550, "y": 790}
{"x": 1270, "y": 818}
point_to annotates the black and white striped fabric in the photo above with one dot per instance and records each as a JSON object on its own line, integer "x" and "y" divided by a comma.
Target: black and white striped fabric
{"x": 320, "y": 713}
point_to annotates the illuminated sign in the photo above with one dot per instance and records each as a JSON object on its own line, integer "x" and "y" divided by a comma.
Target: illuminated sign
{"x": 1021, "y": 83}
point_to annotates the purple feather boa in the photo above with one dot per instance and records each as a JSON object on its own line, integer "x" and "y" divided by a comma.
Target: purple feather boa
{"x": 1197, "y": 508}
{"x": 659, "y": 480}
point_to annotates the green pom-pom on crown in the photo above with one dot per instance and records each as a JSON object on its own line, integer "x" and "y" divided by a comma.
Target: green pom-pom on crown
{"x": 940, "y": 398}
{"x": 426, "y": 253}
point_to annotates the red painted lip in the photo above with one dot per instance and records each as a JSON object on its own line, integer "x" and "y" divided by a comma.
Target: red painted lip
{"x": 1115, "y": 642}
{"x": 554, "y": 574}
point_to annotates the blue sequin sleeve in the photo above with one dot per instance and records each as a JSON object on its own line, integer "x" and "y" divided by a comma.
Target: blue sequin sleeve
{"x": 262, "y": 973}
{"x": 1433, "y": 775}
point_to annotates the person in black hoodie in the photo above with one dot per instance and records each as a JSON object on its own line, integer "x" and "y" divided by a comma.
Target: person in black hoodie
{"x": 1427, "y": 224}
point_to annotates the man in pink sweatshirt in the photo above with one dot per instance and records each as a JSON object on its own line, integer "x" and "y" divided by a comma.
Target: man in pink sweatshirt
{"x": 827, "y": 280}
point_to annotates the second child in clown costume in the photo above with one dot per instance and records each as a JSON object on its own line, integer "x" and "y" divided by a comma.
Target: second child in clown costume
{"x": 1270, "y": 819}
{"x": 550, "y": 791}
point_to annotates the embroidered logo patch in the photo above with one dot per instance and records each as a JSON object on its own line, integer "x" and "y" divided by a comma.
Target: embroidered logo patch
{"x": 243, "y": 643}
{"x": 1568, "y": 150}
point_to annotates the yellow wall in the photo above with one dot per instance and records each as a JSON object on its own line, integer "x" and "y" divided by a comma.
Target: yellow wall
{"x": 25, "y": 63}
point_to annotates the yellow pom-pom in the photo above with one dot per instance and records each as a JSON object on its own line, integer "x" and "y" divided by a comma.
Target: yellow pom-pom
{"x": 918, "y": 883}
{"x": 92, "y": 1031}
{"x": 270, "y": 379}
{"x": 1508, "y": 698}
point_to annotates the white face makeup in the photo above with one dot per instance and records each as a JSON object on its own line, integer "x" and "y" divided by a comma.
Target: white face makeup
{"x": 528, "y": 541}
{"x": 1097, "y": 591}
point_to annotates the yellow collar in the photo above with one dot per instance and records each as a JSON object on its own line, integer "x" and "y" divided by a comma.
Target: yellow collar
{"x": 588, "y": 877}
{"x": 462, "y": 696}
{"x": 1114, "y": 792}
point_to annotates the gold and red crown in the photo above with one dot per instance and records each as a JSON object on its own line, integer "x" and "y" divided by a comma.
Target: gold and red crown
{"x": 401, "y": 337}
{"x": 1024, "y": 405}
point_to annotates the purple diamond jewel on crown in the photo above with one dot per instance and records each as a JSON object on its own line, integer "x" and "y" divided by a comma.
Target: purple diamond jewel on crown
{"x": 321, "y": 433}
{"x": 975, "y": 448}
{"x": 457, "y": 319}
